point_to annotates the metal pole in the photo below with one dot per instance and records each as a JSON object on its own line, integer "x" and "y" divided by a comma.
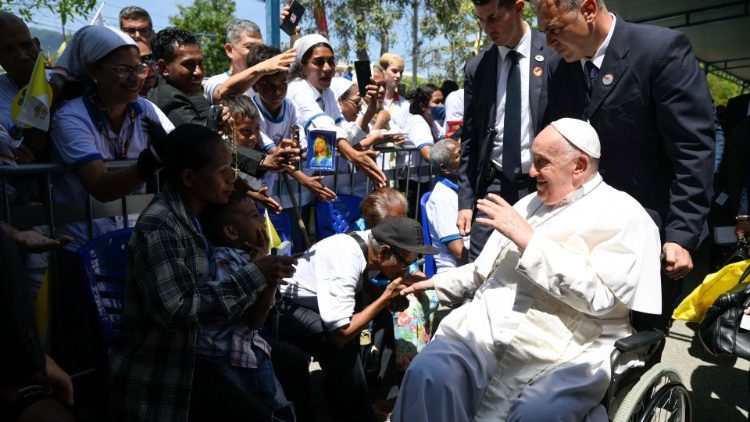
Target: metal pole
{"x": 295, "y": 205}
{"x": 273, "y": 36}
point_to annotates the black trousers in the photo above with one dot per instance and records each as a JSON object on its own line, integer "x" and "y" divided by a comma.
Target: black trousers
{"x": 511, "y": 192}
{"x": 291, "y": 366}
{"x": 670, "y": 294}
{"x": 344, "y": 383}
{"x": 413, "y": 191}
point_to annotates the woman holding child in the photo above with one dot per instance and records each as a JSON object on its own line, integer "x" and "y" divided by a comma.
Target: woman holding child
{"x": 171, "y": 360}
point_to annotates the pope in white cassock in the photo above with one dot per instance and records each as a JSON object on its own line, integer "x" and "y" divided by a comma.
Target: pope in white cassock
{"x": 552, "y": 291}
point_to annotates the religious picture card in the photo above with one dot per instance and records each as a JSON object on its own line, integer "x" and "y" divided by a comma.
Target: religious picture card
{"x": 321, "y": 151}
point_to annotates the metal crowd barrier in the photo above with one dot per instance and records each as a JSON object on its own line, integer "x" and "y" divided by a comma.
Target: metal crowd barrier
{"x": 42, "y": 211}
{"x": 350, "y": 180}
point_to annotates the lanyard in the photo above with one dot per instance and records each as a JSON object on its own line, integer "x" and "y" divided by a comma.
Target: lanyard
{"x": 119, "y": 146}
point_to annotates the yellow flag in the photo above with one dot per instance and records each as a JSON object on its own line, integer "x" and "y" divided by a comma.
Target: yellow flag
{"x": 60, "y": 50}
{"x": 273, "y": 236}
{"x": 34, "y": 108}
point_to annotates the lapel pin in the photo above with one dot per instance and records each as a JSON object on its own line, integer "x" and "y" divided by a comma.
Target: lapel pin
{"x": 539, "y": 58}
{"x": 537, "y": 71}
{"x": 607, "y": 79}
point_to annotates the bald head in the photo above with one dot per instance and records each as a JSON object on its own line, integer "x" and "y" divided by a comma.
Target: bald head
{"x": 7, "y": 19}
{"x": 18, "y": 51}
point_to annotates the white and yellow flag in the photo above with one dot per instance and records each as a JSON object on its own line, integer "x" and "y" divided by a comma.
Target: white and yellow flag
{"x": 32, "y": 105}
{"x": 98, "y": 18}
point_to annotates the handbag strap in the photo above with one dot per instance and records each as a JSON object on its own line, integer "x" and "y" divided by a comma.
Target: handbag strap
{"x": 744, "y": 275}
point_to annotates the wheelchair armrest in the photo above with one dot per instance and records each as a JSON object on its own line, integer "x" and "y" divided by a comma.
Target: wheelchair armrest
{"x": 639, "y": 340}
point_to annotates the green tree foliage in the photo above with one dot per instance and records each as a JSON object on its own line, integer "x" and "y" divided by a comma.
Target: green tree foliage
{"x": 360, "y": 23}
{"x": 207, "y": 20}
{"x": 455, "y": 35}
{"x": 65, "y": 8}
{"x": 721, "y": 89}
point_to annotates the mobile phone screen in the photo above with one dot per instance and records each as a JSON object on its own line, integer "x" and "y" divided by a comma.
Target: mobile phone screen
{"x": 214, "y": 118}
{"x": 362, "y": 68}
{"x": 292, "y": 20}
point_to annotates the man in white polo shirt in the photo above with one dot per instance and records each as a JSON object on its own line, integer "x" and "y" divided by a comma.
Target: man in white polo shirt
{"x": 326, "y": 304}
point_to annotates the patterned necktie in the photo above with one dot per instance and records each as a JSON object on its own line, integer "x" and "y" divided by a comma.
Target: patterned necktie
{"x": 592, "y": 72}
{"x": 512, "y": 130}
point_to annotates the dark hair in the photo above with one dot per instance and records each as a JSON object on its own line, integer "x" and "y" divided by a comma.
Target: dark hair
{"x": 448, "y": 86}
{"x": 306, "y": 57}
{"x": 214, "y": 217}
{"x": 162, "y": 46}
{"x": 189, "y": 146}
{"x": 420, "y": 98}
{"x": 260, "y": 53}
{"x": 134, "y": 13}
{"x": 295, "y": 70}
{"x": 240, "y": 106}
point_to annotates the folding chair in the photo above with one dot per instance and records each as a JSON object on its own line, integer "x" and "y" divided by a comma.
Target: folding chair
{"x": 336, "y": 216}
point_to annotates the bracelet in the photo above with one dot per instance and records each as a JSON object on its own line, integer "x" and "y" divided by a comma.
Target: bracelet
{"x": 742, "y": 217}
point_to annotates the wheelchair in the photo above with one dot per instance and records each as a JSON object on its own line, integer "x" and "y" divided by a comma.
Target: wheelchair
{"x": 641, "y": 391}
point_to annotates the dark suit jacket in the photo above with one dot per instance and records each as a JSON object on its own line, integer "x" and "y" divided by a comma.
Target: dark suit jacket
{"x": 655, "y": 124}
{"x": 178, "y": 106}
{"x": 183, "y": 109}
{"x": 736, "y": 112}
{"x": 480, "y": 99}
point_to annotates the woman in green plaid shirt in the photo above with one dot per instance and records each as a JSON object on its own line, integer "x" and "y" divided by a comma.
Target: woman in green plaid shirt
{"x": 153, "y": 362}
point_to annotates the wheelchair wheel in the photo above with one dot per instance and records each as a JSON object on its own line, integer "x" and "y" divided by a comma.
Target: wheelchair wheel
{"x": 658, "y": 394}
{"x": 670, "y": 404}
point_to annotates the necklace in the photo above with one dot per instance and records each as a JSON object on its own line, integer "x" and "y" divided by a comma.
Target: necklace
{"x": 233, "y": 147}
{"x": 117, "y": 144}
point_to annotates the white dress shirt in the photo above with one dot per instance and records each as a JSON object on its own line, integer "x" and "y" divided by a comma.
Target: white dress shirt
{"x": 524, "y": 50}
{"x": 598, "y": 57}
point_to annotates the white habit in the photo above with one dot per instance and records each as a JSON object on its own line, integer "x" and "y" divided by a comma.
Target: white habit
{"x": 542, "y": 324}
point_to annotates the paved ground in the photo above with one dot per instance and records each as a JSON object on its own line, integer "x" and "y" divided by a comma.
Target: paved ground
{"x": 718, "y": 388}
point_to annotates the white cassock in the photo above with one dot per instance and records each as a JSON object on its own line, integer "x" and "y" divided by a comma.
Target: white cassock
{"x": 542, "y": 324}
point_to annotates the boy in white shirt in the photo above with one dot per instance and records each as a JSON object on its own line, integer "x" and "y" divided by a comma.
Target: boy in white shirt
{"x": 277, "y": 116}
{"x": 442, "y": 207}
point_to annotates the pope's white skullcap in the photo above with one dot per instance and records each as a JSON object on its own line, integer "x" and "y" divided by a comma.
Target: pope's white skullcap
{"x": 305, "y": 43}
{"x": 579, "y": 133}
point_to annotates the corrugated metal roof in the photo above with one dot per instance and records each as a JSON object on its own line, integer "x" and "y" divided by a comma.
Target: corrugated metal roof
{"x": 718, "y": 29}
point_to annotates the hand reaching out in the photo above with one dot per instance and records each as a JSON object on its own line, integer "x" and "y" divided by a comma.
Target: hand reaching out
{"x": 315, "y": 185}
{"x": 263, "y": 197}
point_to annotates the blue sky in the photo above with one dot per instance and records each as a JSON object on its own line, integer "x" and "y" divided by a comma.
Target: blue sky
{"x": 160, "y": 12}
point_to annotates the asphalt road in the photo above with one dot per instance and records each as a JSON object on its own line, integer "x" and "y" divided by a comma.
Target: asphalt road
{"x": 718, "y": 387}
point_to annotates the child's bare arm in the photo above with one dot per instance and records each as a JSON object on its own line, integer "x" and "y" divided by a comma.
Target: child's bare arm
{"x": 255, "y": 315}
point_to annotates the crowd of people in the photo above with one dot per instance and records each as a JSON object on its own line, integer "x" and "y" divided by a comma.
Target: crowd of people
{"x": 571, "y": 183}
